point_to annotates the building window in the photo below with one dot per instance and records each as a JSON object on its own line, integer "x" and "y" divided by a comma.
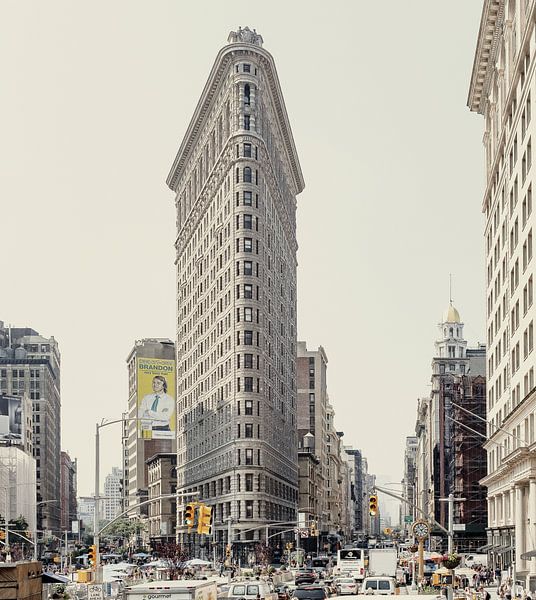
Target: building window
{"x": 248, "y": 338}
{"x": 246, "y": 68}
{"x": 249, "y": 510}
{"x": 248, "y": 291}
{"x": 248, "y": 314}
{"x": 249, "y": 456}
{"x": 248, "y": 245}
{"x": 248, "y": 384}
{"x": 247, "y": 198}
{"x": 248, "y": 430}
{"x": 246, "y": 123}
{"x": 248, "y": 267}
{"x": 247, "y": 175}
{"x": 247, "y": 150}
{"x": 248, "y": 222}
{"x": 248, "y": 407}
{"x": 249, "y": 482}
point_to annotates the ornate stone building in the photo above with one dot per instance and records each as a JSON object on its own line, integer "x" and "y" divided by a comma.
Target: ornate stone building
{"x": 502, "y": 90}
{"x": 235, "y": 179}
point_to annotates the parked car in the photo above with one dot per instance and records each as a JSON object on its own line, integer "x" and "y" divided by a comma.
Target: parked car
{"x": 346, "y": 585}
{"x": 310, "y": 592}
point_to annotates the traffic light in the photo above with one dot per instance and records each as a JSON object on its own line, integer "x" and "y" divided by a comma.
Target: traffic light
{"x": 92, "y": 555}
{"x": 228, "y": 551}
{"x": 204, "y": 519}
{"x": 313, "y": 529}
{"x": 373, "y": 505}
{"x": 189, "y": 515}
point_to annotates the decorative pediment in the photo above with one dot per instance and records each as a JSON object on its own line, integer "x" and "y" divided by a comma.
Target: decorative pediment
{"x": 245, "y": 36}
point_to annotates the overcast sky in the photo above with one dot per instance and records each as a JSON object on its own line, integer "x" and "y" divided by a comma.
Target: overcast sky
{"x": 96, "y": 97}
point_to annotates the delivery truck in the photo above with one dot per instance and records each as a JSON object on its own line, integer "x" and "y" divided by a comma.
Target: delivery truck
{"x": 184, "y": 589}
{"x": 382, "y": 562}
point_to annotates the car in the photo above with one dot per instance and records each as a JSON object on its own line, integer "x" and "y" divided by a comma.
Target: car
{"x": 329, "y": 583}
{"x": 310, "y": 592}
{"x": 379, "y": 585}
{"x": 305, "y": 577}
{"x": 283, "y": 592}
{"x": 346, "y": 585}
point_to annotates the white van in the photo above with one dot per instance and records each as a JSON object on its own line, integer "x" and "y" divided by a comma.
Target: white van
{"x": 251, "y": 589}
{"x": 378, "y": 585}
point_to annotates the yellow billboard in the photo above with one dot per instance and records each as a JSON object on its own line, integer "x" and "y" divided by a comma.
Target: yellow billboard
{"x": 156, "y": 398}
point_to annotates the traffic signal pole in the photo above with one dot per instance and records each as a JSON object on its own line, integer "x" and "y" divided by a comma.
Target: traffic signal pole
{"x": 96, "y": 536}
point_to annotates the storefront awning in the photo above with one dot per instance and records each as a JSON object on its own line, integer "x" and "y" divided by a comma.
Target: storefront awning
{"x": 528, "y": 555}
{"x": 485, "y": 548}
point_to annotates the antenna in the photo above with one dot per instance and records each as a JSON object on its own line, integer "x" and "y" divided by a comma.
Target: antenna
{"x": 450, "y": 287}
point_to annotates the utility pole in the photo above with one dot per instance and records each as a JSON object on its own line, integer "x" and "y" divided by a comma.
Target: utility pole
{"x": 96, "y": 540}
{"x": 229, "y": 534}
{"x": 298, "y": 546}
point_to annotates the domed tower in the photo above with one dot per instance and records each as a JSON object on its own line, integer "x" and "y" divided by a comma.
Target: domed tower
{"x": 450, "y": 347}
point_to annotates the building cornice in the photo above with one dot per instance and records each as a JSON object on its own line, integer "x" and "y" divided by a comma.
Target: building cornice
{"x": 486, "y": 53}
{"x": 205, "y": 103}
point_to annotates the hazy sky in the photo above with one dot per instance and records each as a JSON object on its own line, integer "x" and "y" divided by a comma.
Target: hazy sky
{"x": 96, "y": 97}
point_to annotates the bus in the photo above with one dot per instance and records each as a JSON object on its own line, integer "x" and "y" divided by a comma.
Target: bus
{"x": 352, "y": 561}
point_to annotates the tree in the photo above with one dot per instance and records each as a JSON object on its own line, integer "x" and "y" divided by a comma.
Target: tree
{"x": 263, "y": 555}
{"x": 174, "y": 557}
{"x": 124, "y": 528}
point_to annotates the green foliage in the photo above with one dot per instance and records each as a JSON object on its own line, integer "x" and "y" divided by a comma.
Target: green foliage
{"x": 124, "y": 528}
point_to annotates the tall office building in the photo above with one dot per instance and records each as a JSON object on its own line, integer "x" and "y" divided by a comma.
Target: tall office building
{"x": 149, "y": 426}
{"x": 68, "y": 490}
{"x": 313, "y": 403}
{"x": 235, "y": 179}
{"x": 407, "y": 511}
{"x": 502, "y": 90}
{"x": 113, "y": 486}
{"x": 447, "y": 451}
{"x": 30, "y": 368}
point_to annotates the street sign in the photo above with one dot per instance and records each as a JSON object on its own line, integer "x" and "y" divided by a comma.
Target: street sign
{"x": 458, "y": 527}
{"x": 408, "y": 519}
{"x": 94, "y": 592}
{"x": 304, "y": 533}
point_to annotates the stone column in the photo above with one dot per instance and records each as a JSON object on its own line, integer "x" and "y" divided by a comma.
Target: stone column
{"x": 520, "y": 520}
{"x": 532, "y": 525}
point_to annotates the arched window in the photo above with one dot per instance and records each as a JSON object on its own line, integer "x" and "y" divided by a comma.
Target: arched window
{"x": 247, "y": 95}
{"x": 451, "y": 332}
{"x": 247, "y": 175}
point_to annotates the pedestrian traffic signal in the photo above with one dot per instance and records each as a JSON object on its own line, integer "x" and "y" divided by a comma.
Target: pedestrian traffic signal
{"x": 228, "y": 551}
{"x": 204, "y": 519}
{"x": 189, "y": 515}
{"x": 92, "y": 555}
{"x": 373, "y": 505}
